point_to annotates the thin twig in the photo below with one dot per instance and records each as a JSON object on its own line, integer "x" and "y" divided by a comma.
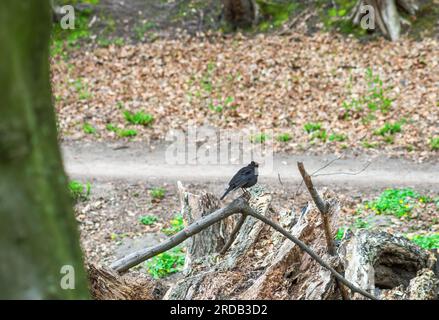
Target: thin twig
{"x": 346, "y": 173}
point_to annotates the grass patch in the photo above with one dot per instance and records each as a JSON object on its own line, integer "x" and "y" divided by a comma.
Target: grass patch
{"x": 434, "y": 143}
{"x": 398, "y": 202}
{"x": 166, "y": 263}
{"x": 337, "y": 137}
{"x": 79, "y": 191}
{"x": 88, "y": 128}
{"x": 428, "y": 242}
{"x": 259, "y": 138}
{"x": 143, "y": 28}
{"x": 138, "y": 118}
{"x": 82, "y": 89}
{"x": 311, "y": 127}
{"x": 284, "y": 137}
{"x": 123, "y": 133}
{"x": 369, "y": 145}
{"x": 389, "y": 129}
{"x": 157, "y": 193}
{"x": 148, "y": 220}
{"x": 375, "y": 99}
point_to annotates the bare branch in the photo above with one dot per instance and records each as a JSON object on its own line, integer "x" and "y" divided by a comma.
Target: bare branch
{"x": 346, "y": 173}
{"x": 133, "y": 259}
{"x": 322, "y": 205}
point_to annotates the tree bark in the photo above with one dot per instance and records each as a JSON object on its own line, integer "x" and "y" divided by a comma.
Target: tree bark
{"x": 386, "y": 14}
{"x": 380, "y": 262}
{"x": 240, "y": 13}
{"x": 38, "y": 234}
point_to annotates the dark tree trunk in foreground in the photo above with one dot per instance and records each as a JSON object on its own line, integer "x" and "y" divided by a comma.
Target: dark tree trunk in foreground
{"x": 240, "y": 13}
{"x": 38, "y": 234}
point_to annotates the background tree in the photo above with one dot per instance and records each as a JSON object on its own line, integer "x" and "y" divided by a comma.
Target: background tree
{"x": 38, "y": 233}
{"x": 387, "y": 16}
{"x": 240, "y": 13}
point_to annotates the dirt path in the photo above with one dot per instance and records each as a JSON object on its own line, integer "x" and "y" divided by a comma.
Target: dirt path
{"x": 134, "y": 162}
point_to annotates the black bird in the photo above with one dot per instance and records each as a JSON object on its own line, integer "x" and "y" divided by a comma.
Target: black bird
{"x": 245, "y": 178}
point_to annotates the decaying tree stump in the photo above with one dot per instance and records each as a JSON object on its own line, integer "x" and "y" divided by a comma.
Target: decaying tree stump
{"x": 105, "y": 284}
{"x": 386, "y": 14}
{"x": 379, "y": 262}
{"x": 209, "y": 241}
{"x": 290, "y": 272}
{"x": 213, "y": 278}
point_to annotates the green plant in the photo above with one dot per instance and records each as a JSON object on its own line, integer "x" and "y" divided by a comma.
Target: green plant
{"x": 259, "y": 138}
{"x": 121, "y": 132}
{"x": 389, "y": 129}
{"x": 176, "y": 225}
{"x": 126, "y": 133}
{"x": 284, "y": 137}
{"x": 139, "y": 118}
{"x": 321, "y": 134}
{"x": 79, "y": 191}
{"x": 166, "y": 263}
{"x": 312, "y": 127}
{"x": 157, "y": 193}
{"x": 82, "y": 89}
{"x": 88, "y": 128}
{"x": 340, "y": 233}
{"x": 369, "y": 145}
{"x": 111, "y": 127}
{"x": 374, "y": 99}
{"x": 337, "y": 137}
{"x": 434, "y": 143}
{"x": 430, "y": 241}
{"x": 143, "y": 28}
{"x": 148, "y": 220}
{"x": 398, "y": 202}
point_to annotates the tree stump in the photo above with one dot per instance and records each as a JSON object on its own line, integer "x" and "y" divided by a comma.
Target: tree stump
{"x": 215, "y": 275}
{"x": 386, "y": 14}
{"x": 105, "y": 284}
{"x": 379, "y": 262}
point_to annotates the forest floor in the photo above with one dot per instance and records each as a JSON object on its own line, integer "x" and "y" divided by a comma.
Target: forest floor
{"x": 135, "y": 76}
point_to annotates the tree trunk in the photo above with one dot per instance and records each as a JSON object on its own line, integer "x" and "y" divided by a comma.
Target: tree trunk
{"x": 38, "y": 235}
{"x": 240, "y": 13}
{"x": 386, "y": 14}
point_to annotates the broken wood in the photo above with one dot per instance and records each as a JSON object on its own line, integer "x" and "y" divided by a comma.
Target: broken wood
{"x": 379, "y": 262}
{"x": 323, "y": 207}
{"x": 105, "y": 284}
{"x": 385, "y": 13}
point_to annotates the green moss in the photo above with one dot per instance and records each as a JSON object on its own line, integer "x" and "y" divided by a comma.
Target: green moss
{"x": 275, "y": 13}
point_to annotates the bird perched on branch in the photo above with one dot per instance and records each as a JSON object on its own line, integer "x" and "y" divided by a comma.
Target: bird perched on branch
{"x": 245, "y": 178}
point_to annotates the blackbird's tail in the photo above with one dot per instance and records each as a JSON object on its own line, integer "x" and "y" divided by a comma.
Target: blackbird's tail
{"x": 225, "y": 193}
